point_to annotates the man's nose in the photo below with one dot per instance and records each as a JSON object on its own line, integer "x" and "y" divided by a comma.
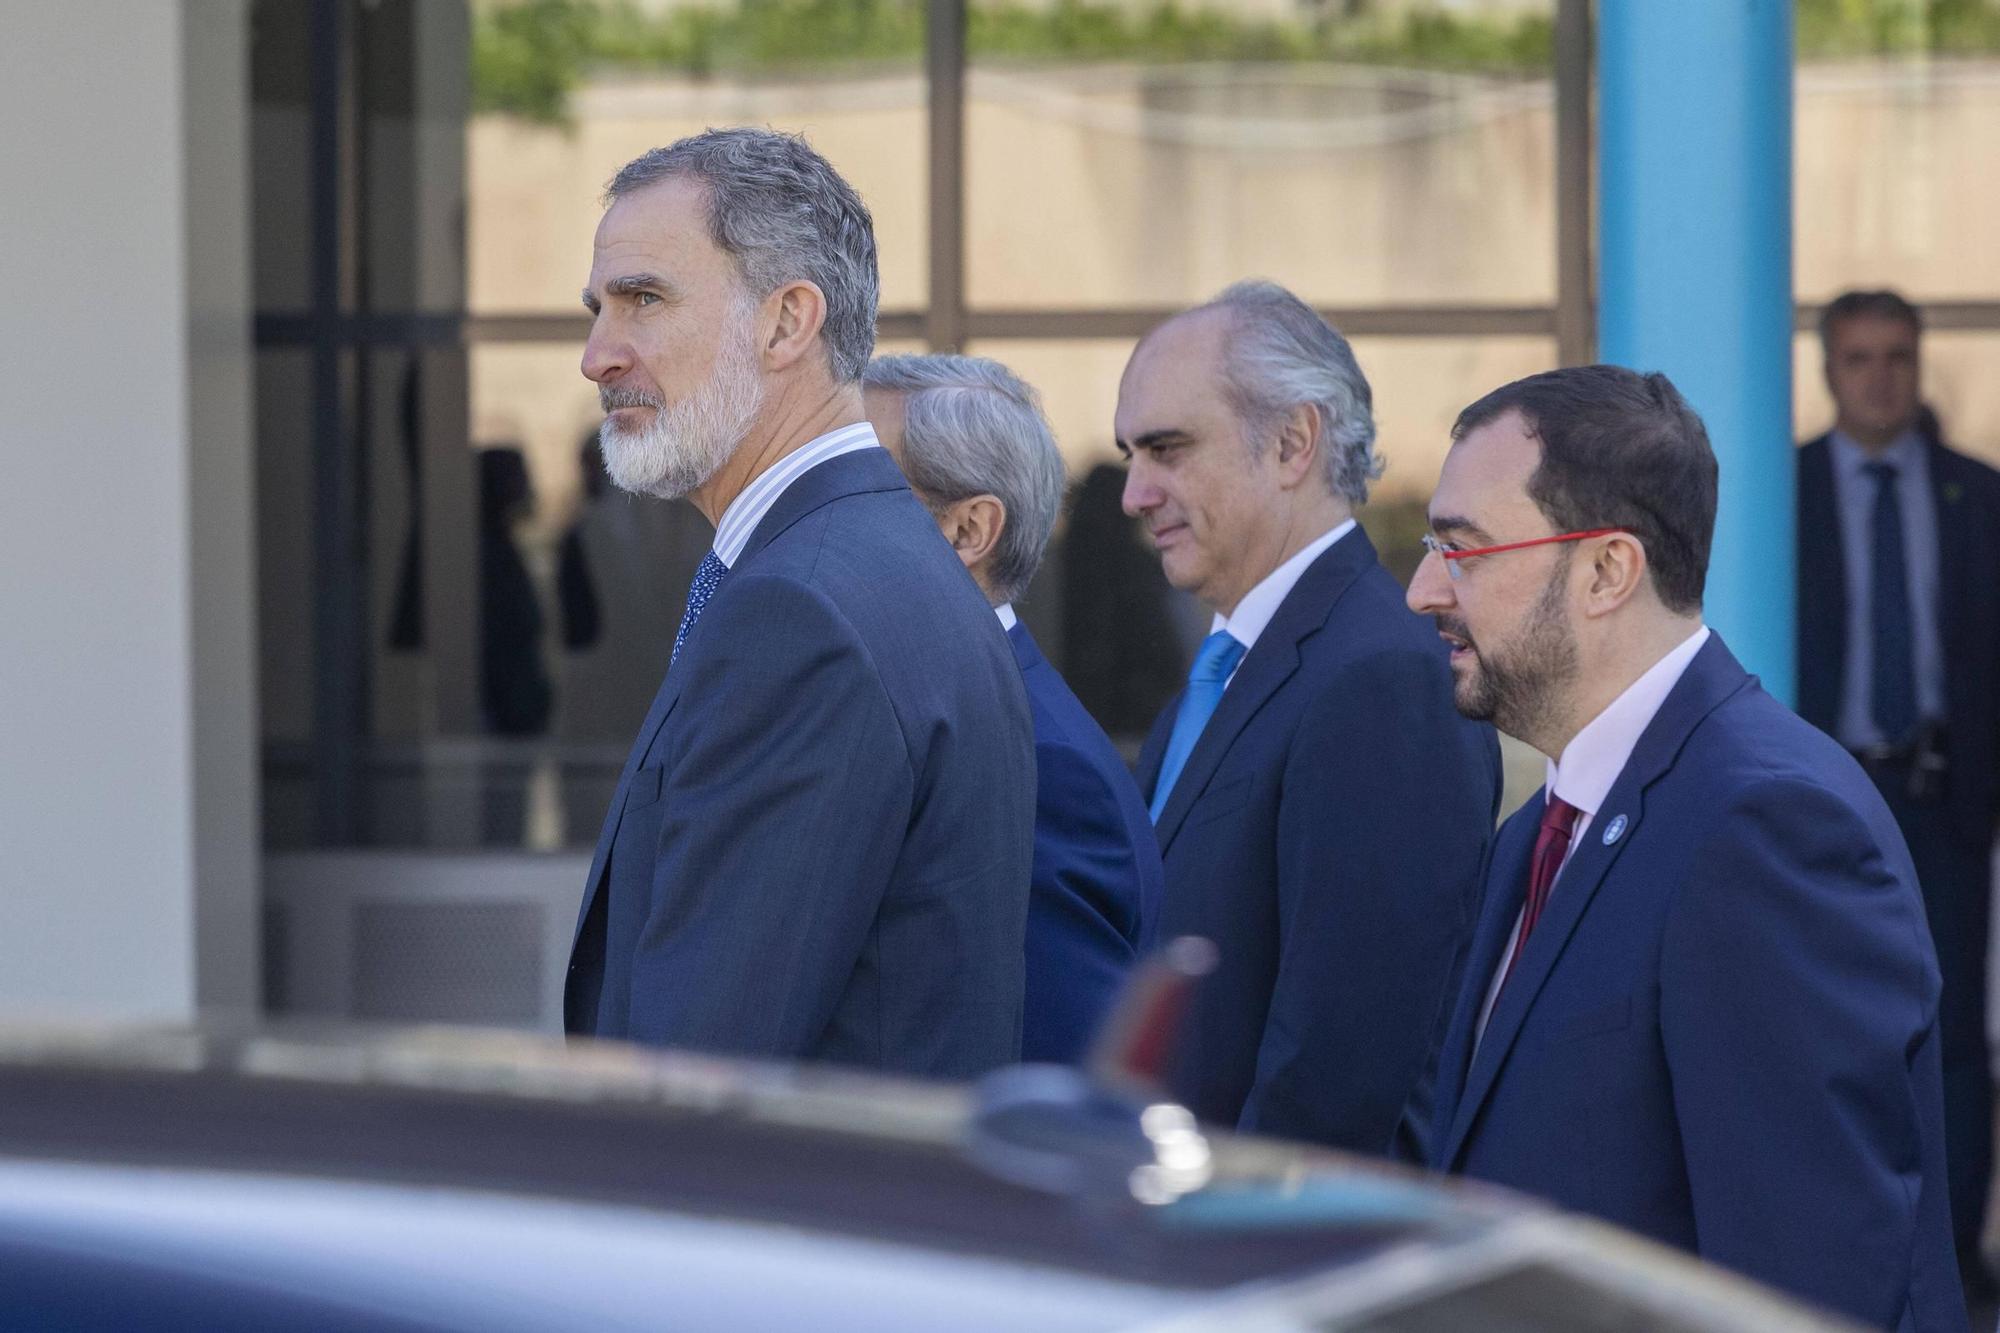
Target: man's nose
{"x": 604, "y": 357}
{"x": 1430, "y": 587}
{"x": 1140, "y": 492}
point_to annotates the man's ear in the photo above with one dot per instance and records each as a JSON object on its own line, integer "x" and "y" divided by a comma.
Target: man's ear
{"x": 973, "y": 527}
{"x": 1299, "y": 442}
{"x": 1618, "y": 570}
{"x": 792, "y": 319}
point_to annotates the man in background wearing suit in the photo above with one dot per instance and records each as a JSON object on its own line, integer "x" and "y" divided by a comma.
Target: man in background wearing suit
{"x": 1322, "y": 811}
{"x": 1701, "y": 1002}
{"x": 972, "y": 440}
{"x": 819, "y": 848}
{"x": 1899, "y": 649}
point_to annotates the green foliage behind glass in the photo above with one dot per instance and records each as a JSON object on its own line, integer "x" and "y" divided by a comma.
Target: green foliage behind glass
{"x": 527, "y": 55}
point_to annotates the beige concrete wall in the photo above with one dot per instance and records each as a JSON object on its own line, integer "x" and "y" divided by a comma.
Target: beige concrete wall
{"x": 1117, "y": 186}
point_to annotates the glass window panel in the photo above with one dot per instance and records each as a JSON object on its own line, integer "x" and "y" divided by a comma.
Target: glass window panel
{"x": 850, "y": 77}
{"x": 412, "y": 75}
{"x": 281, "y": 155}
{"x": 1896, "y": 174}
{"x": 1151, "y": 153}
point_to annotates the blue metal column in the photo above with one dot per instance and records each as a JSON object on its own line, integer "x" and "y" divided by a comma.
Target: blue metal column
{"x": 1695, "y": 271}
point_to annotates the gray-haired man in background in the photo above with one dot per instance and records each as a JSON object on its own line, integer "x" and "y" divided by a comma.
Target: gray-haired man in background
{"x": 972, "y": 440}
{"x": 1322, "y": 808}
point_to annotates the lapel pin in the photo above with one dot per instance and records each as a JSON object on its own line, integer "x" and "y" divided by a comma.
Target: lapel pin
{"x": 1614, "y": 830}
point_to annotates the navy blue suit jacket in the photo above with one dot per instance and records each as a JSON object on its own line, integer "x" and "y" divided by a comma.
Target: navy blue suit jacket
{"x": 1967, "y": 495}
{"x": 819, "y": 848}
{"x": 1327, "y": 833}
{"x": 1097, "y": 879}
{"x": 1723, "y": 1032}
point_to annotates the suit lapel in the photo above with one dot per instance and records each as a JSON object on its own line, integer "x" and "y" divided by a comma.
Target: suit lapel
{"x": 1711, "y": 677}
{"x": 1507, "y": 886}
{"x": 656, "y": 717}
{"x": 1268, "y": 665}
{"x": 1954, "y": 597}
{"x": 855, "y": 473}
{"x": 1822, "y": 589}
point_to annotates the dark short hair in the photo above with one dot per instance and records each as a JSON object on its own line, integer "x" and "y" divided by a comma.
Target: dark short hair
{"x": 1884, "y": 304}
{"x": 1619, "y": 450}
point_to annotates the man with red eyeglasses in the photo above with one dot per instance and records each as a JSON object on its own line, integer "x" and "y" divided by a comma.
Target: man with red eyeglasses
{"x": 1701, "y": 1000}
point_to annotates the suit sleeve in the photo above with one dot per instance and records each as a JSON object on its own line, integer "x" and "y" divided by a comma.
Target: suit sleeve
{"x": 784, "y": 810}
{"x": 1798, "y": 1001}
{"x": 1384, "y": 819}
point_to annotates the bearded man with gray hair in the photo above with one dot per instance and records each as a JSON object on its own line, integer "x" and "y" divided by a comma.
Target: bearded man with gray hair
{"x": 972, "y": 440}
{"x": 819, "y": 847}
{"x": 1322, "y": 809}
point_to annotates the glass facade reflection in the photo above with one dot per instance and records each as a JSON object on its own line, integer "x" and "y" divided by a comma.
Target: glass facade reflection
{"x": 461, "y": 624}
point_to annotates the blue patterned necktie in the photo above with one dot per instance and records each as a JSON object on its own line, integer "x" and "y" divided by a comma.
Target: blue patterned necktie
{"x": 1892, "y": 695}
{"x": 707, "y": 578}
{"x": 1218, "y": 657}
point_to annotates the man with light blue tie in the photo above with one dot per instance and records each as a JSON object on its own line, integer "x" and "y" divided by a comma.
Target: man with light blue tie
{"x": 972, "y": 440}
{"x": 1322, "y": 809}
{"x": 820, "y": 844}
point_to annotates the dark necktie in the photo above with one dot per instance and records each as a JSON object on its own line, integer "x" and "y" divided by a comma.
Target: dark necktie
{"x": 1207, "y": 678}
{"x": 1892, "y": 696}
{"x": 1551, "y": 845}
{"x": 707, "y": 578}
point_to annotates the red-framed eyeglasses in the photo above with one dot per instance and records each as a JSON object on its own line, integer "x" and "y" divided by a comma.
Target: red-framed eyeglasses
{"x": 1451, "y": 555}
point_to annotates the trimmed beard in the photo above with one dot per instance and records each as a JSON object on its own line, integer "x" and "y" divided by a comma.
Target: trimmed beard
{"x": 1517, "y": 688}
{"x": 688, "y": 441}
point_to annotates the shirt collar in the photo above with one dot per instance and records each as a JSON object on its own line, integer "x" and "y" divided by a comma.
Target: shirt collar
{"x": 1254, "y": 612}
{"x": 747, "y": 510}
{"x": 1904, "y": 451}
{"x": 1006, "y": 613}
{"x": 1595, "y": 756}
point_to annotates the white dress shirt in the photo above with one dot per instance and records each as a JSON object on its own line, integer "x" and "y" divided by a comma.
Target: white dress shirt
{"x": 1592, "y": 761}
{"x": 1006, "y": 613}
{"x": 747, "y": 510}
{"x": 1254, "y": 612}
{"x": 1854, "y": 494}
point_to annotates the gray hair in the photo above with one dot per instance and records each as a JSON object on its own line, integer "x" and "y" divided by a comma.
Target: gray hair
{"x": 971, "y": 427}
{"x": 783, "y": 214}
{"x": 1283, "y": 355}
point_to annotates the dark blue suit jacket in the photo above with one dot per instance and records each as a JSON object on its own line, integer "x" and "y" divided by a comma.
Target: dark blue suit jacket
{"x": 1967, "y": 495}
{"x": 1723, "y": 1032}
{"x": 1097, "y": 879}
{"x": 820, "y": 845}
{"x": 1327, "y": 834}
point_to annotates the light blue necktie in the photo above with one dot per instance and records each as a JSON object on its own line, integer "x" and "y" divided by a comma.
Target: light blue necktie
{"x": 1218, "y": 657}
{"x": 707, "y": 578}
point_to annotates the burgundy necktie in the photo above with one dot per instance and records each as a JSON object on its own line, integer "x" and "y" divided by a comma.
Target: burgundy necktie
{"x": 1551, "y": 845}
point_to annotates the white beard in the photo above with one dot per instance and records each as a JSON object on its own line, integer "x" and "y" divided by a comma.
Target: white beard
{"x": 688, "y": 442}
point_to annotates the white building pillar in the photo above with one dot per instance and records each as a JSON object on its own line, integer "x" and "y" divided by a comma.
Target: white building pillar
{"x": 128, "y": 779}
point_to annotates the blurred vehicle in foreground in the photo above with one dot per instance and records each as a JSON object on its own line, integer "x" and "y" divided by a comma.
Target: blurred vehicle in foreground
{"x": 468, "y": 1180}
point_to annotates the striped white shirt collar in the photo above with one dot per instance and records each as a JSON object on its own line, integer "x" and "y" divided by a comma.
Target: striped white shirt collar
{"x": 747, "y": 510}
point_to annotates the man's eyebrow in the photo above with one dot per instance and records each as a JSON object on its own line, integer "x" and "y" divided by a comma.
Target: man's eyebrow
{"x": 1456, "y": 525}
{"x": 1153, "y": 439}
{"x": 629, "y": 284}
